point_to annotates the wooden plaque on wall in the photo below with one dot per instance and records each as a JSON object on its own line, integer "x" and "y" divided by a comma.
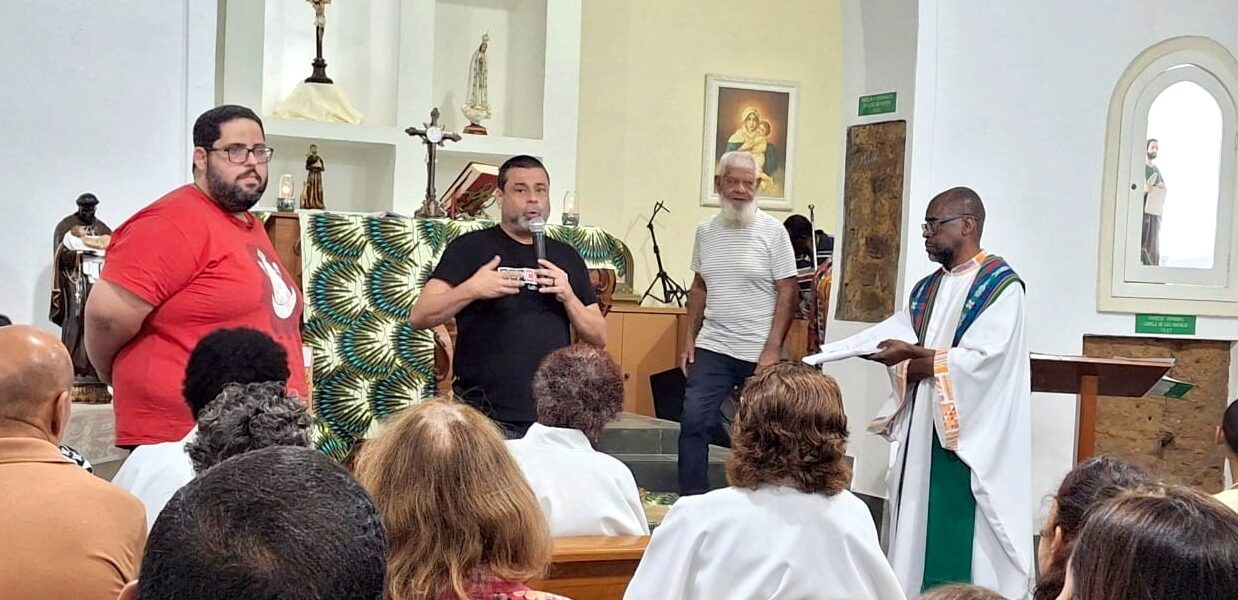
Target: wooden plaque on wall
{"x": 1171, "y": 438}
{"x": 873, "y": 218}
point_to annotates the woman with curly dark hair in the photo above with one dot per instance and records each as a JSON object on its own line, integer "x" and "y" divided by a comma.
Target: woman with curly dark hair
{"x": 578, "y": 389}
{"x": 787, "y": 528}
{"x": 155, "y": 471}
{"x": 245, "y": 418}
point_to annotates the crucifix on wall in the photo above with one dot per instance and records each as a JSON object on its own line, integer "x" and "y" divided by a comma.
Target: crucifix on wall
{"x": 433, "y": 136}
{"x": 320, "y": 23}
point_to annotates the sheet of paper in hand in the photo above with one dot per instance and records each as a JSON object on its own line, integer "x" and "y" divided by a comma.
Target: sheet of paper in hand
{"x": 864, "y": 343}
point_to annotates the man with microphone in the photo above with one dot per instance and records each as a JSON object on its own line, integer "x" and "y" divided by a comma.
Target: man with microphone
{"x": 515, "y": 295}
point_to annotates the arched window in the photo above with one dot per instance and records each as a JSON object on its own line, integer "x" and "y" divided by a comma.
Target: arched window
{"x": 1170, "y": 189}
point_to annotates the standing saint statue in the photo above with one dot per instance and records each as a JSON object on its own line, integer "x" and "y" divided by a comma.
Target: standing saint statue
{"x": 477, "y": 107}
{"x": 311, "y": 198}
{"x": 78, "y": 245}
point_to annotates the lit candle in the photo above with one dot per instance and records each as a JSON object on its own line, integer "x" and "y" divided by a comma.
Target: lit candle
{"x": 284, "y": 201}
{"x": 285, "y": 185}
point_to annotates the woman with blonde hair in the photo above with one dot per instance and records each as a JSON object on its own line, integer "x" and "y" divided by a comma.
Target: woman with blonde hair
{"x": 787, "y": 528}
{"x": 462, "y": 522}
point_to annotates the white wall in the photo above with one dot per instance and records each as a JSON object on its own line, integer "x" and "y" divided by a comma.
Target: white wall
{"x": 1012, "y": 100}
{"x": 98, "y": 97}
{"x": 879, "y": 55}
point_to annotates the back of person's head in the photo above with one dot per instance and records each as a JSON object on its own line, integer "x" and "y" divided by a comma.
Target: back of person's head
{"x": 455, "y": 503}
{"x": 1089, "y": 484}
{"x": 790, "y": 430}
{"x": 245, "y": 418}
{"x": 961, "y": 592}
{"x": 4, "y": 320}
{"x": 1158, "y": 542}
{"x": 240, "y": 355}
{"x": 1228, "y": 432}
{"x": 36, "y": 376}
{"x": 578, "y": 387}
{"x": 798, "y": 226}
{"x": 278, "y": 523}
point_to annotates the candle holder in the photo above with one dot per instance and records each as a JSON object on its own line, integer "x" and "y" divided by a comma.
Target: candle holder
{"x": 286, "y": 201}
{"x": 571, "y": 215}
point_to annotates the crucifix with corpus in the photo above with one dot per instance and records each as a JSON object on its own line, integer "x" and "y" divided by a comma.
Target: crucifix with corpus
{"x": 433, "y": 136}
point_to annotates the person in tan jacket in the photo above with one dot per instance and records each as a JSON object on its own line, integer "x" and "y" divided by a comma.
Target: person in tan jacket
{"x": 65, "y": 533}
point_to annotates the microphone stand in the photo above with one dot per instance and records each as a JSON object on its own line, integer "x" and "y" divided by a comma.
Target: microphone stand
{"x": 671, "y": 292}
{"x": 814, "y": 307}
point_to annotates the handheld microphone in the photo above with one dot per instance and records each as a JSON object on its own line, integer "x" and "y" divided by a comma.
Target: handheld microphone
{"x": 537, "y": 226}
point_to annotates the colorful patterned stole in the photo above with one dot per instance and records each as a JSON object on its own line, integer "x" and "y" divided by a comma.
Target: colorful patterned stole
{"x": 994, "y": 276}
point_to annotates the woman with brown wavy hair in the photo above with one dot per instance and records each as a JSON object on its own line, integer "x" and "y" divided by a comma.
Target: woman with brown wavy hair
{"x": 786, "y": 528}
{"x": 1156, "y": 543}
{"x": 462, "y": 522}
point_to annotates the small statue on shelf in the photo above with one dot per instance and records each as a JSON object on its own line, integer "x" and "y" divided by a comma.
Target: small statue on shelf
{"x": 477, "y": 107}
{"x": 78, "y": 246}
{"x": 311, "y": 198}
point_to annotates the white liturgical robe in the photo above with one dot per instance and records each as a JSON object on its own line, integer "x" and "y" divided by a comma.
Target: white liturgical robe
{"x": 771, "y": 543}
{"x": 978, "y": 402}
{"x": 154, "y": 472}
{"x": 582, "y": 491}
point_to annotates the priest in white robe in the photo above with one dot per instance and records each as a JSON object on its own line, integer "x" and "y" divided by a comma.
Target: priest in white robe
{"x": 579, "y": 389}
{"x": 960, "y": 482}
{"x": 787, "y": 528}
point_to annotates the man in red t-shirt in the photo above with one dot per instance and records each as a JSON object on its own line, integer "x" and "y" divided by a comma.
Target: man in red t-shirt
{"x": 192, "y": 262}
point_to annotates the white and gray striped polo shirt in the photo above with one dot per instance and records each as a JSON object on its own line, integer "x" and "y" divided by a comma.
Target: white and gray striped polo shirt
{"x": 739, "y": 266}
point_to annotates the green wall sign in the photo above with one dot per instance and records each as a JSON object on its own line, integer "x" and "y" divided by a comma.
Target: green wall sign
{"x": 1166, "y": 324}
{"x": 877, "y": 104}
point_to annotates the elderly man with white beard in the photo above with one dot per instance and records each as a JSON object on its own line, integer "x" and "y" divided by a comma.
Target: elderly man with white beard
{"x": 739, "y": 308}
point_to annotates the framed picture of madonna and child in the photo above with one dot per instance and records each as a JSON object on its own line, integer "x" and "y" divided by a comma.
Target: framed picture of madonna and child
{"x": 756, "y": 116}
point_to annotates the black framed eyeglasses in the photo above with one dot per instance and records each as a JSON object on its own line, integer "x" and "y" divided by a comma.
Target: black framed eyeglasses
{"x": 930, "y": 226}
{"x": 237, "y": 155}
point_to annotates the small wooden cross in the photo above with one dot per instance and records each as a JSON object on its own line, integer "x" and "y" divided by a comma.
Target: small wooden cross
{"x": 433, "y": 136}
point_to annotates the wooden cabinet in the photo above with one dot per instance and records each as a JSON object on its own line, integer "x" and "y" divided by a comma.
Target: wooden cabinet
{"x": 644, "y": 341}
{"x": 284, "y": 229}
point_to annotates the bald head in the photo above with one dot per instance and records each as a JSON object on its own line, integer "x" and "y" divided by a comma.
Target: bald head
{"x": 953, "y": 225}
{"x": 35, "y": 372}
{"x": 960, "y": 200}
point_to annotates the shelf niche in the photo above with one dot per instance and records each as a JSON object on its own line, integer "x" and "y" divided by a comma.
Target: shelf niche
{"x": 516, "y": 62}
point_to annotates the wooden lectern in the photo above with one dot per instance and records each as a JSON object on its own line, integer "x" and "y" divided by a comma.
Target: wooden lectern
{"x": 1090, "y": 378}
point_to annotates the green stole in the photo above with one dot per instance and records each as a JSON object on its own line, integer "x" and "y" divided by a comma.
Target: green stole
{"x": 951, "y": 504}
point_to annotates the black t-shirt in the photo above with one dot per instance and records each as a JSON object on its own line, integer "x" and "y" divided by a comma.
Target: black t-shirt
{"x": 501, "y": 342}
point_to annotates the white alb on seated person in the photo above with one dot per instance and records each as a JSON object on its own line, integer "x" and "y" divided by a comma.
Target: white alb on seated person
{"x": 787, "y": 528}
{"x": 154, "y": 472}
{"x": 578, "y": 390}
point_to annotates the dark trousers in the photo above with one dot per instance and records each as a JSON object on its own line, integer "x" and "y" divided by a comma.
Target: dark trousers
{"x": 711, "y": 378}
